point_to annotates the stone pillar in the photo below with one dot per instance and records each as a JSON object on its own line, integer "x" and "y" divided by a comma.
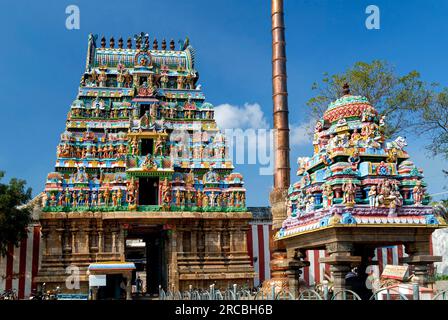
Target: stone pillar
{"x": 341, "y": 261}
{"x": 100, "y": 231}
{"x": 232, "y": 237}
{"x": 194, "y": 240}
{"x": 73, "y": 231}
{"x": 295, "y": 264}
{"x": 58, "y": 232}
{"x": 173, "y": 273}
{"x": 128, "y": 286}
{"x": 420, "y": 258}
{"x": 114, "y": 241}
{"x": 339, "y": 271}
{"x": 122, "y": 242}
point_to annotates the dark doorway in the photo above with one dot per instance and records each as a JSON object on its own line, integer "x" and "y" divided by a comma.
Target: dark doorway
{"x": 146, "y": 146}
{"x": 112, "y": 290}
{"x": 155, "y": 263}
{"x": 148, "y": 193}
{"x": 143, "y": 109}
{"x": 142, "y": 80}
{"x": 146, "y": 247}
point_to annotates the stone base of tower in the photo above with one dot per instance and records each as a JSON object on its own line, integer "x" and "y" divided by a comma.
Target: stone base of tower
{"x": 285, "y": 266}
{"x": 191, "y": 248}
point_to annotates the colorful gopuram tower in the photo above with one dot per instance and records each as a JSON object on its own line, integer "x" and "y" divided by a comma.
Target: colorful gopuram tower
{"x": 358, "y": 192}
{"x": 142, "y": 157}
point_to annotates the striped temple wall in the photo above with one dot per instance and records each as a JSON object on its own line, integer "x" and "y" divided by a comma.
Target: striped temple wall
{"x": 20, "y": 265}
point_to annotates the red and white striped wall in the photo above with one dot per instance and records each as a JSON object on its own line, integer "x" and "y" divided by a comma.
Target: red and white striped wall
{"x": 20, "y": 265}
{"x": 258, "y": 237}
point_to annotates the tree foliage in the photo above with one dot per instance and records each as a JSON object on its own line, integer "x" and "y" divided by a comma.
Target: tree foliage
{"x": 13, "y": 218}
{"x": 396, "y": 97}
{"x": 433, "y": 122}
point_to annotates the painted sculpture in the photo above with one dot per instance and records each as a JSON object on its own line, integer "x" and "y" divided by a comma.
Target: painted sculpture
{"x": 140, "y": 136}
{"x": 355, "y": 177}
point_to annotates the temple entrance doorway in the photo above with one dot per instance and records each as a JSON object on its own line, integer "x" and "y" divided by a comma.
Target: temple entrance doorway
{"x": 146, "y": 248}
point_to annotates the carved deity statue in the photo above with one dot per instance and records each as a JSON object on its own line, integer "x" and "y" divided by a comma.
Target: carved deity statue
{"x": 180, "y": 82}
{"x": 372, "y": 195}
{"x": 418, "y": 193}
{"x": 178, "y": 196}
{"x": 327, "y": 196}
{"x": 189, "y": 178}
{"x": 205, "y": 200}
{"x": 158, "y": 148}
{"x": 166, "y": 193}
{"x": 349, "y": 190}
{"x": 212, "y": 197}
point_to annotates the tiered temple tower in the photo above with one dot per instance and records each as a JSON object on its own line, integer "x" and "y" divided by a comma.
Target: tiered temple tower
{"x": 358, "y": 192}
{"x": 141, "y": 154}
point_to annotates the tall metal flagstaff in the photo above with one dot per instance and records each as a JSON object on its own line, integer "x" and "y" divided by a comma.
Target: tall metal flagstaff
{"x": 284, "y": 272}
{"x": 280, "y": 114}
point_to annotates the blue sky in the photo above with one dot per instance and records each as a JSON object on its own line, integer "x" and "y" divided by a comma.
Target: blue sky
{"x": 41, "y": 62}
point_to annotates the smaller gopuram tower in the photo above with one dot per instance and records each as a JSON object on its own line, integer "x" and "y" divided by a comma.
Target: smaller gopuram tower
{"x": 358, "y": 192}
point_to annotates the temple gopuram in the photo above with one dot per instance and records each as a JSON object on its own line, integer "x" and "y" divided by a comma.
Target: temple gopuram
{"x": 356, "y": 193}
{"x": 143, "y": 175}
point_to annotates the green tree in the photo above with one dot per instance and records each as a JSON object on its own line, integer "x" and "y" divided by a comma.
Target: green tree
{"x": 14, "y": 217}
{"x": 433, "y": 123}
{"x": 397, "y": 97}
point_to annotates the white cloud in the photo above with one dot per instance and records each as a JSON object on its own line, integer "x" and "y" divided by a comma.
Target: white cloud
{"x": 250, "y": 136}
{"x": 301, "y": 134}
{"x": 240, "y": 117}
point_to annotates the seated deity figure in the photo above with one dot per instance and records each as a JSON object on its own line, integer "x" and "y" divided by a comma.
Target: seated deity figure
{"x": 211, "y": 176}
{"x": 354, "y": 159}
{"x": 81, "y": 176}
{"x": 384, "y": 196}
{"x": 148, "y": 163}
{"x": 309, "y": 203}
{"x": 355, "y": 138}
